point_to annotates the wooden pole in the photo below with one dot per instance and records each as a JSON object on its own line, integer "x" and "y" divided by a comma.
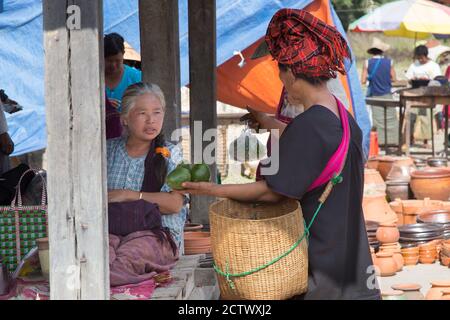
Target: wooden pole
{"x": 74, "y": 96}
{"x": 160, "y": 53}
{"x": 203, "y": 110}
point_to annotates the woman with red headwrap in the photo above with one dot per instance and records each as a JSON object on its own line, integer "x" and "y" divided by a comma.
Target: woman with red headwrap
{"x": 320, "y": 159}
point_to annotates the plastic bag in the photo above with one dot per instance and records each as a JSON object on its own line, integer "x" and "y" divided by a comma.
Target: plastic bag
{"x": 247, "y": 147}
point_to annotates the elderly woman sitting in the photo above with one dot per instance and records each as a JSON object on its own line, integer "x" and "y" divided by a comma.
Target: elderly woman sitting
{"x": 146, "y": 219}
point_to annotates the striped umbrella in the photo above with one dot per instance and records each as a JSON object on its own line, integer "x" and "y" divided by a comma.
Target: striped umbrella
{"x": 406, "y": 18}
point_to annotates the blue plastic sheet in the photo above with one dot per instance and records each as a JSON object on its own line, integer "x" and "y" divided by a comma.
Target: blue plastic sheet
{"x": 239, "y": 24}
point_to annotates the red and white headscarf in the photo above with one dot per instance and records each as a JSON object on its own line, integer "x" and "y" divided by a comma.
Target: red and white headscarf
{"x": 306, "y": 44}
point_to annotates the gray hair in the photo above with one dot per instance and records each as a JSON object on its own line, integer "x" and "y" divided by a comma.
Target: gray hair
{"x": 139, "y": 89}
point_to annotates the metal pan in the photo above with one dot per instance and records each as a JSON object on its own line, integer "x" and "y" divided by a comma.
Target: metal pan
{"x": 420, "y": 228}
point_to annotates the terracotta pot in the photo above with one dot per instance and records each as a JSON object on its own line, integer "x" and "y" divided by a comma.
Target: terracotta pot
{"x": 427, "y": 259}
{"x": 373, "y": 176}
{"x": 435, "y": 293}
{"x": 373, "y": 183}
{"x": 416, "y": 206}
{"x": 372, "y": 163}
{"x": 377, "y": 209}
{"x": 192, "y": 227}
{"x": 399, "y": 261}
{"x": 411, "y": 208}
{"x": 410, "y": 255}
{"x": 400, "y": 172}
{"x": 386, "y": 264}
{"x": 397, "y": 190}
{"x": 445, "y": 261}
{"x": 393, "y": 295}
{"x": 196, "y": 242}
{"x": 411, "y": 261}
{"x": 387, "y": 162}
{"x": 384, "y": 165}
{"x": 397, "y": 207}
{"x": 410, "y": 290}
{"x": 388, "y": 233}
{"x": 431, "y": 182}
{"x": 446, "y": 205}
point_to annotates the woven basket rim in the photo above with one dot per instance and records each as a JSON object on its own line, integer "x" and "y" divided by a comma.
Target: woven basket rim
{"x": 293, "y": 212}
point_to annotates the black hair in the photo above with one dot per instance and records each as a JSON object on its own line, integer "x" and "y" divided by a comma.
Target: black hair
{"x": 421, "y": 51}
{"x": 313, "y": 81}
{"x": 159, "y": 162}
{"x": 113, "y": 44}
{"x": 375, "y": 51}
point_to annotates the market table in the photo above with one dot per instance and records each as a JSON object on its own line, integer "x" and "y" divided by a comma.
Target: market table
{"x": 385, "y": 103}
{"x": 428, "y": 98}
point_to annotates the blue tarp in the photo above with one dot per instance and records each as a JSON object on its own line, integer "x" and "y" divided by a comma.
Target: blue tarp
{"x": 239, "y": 24}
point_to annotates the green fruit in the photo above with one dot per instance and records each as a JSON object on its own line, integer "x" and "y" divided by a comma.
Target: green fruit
{"x": 200, "y": 172}
{"x": 177, "y": 177}
{"x": 185, "y": 165}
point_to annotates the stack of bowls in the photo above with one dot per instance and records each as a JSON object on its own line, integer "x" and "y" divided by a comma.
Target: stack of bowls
{"x": 445, "y": 253}
{"x": 427, "y": 253}
{"x": 441, "y": 217}
{"x": 410, "y": 254}
{"x": 420, "y": 233}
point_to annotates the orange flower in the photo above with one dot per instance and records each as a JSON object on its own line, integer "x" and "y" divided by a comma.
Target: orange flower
{"x": 163, "y": 151}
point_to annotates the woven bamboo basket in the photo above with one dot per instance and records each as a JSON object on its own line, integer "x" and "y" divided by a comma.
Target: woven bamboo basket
{"x": 247, "y": 236}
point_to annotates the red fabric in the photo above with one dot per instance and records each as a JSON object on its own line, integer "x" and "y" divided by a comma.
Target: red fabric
{"x": 308, "y": 45}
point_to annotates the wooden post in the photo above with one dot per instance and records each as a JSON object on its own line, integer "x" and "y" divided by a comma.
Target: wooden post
{"x": 74, "y": 96}
{"x": 160, "y": 52}
{"x": 203, "y": 110}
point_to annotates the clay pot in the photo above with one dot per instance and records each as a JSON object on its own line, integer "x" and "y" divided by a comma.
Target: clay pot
{"x": 411, "y": 261}
{"x": 445, "y": 261}
{"x": 431, "y": 182}
{"x": 373, "y": 183}
{"x": 386, "y": 264}
{"x": 387, "y": 162}
{"x": 393, "y": 295}
{"x": 411, "y": 208}
{"x": 400, "y": 172}
{"x": 388, "y": 233}
{"x": 410, "y": 290}
{"x": 435, "y": 293}
{"x": 397, "y": 189}
{"x": 399, "y": 261}
{"x": 197, "y": 242}
{"x": 446, "y": 205}
{"x": 376, "y": 208}
{"x": 385, "y": 165}
{"x": 427, "y": 259}
{"x": 397, "y": 207}
{"x": 372, "y": 163}
{"x": 193, "y": 227}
